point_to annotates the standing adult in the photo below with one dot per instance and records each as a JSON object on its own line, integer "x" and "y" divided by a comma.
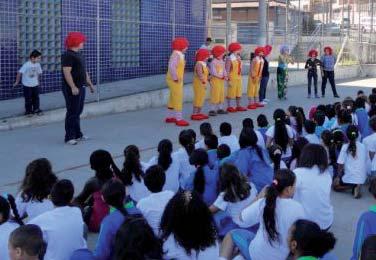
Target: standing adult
{"x": 327, "y": 62}
{"x": 207, "y": 44}
{"x": 265, "y": 76}
{"x": 282, "y": 71}
{"x": 75, "y": 78}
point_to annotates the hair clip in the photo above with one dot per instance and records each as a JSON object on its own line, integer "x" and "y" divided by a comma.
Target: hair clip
{"x": 353, "y": 133}
{"x": 275, "y": 182}
{"x": 348, "y": 107}
{"x": 277, "y": 151}
{"x": 277, "y": 119}
{"x": 187, "y": 197}
{"x": 297, "y": 111}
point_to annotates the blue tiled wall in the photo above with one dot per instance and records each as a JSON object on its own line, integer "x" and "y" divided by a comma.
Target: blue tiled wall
{"x": 156, "y": 32}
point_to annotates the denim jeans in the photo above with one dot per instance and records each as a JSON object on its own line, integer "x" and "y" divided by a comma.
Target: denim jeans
{"x": 31, "y": 95}
{"x": 312, "y": 75}
{"x": 328, "y": 75}
{"x": 263, "y": 85}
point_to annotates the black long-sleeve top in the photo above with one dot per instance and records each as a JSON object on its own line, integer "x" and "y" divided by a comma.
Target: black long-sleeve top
{"x": 311, "y": 65}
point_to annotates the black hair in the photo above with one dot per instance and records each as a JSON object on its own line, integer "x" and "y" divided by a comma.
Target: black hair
{"x": 328, "y": 140}
{"x": 339, "y": 138}
{"x": 321, "y": 108}
{"x": 301, "y": 110}
{"x": 310, "y": 239}
{"x": 223, "y": 151}
{"x": 211, "y": 141}
{"x": 225, "y": 129}
{"x": 344, "y": 117}
{"x": 275, "y": 154}
{"x": 132, "y": 165}
{"x": 252, "y": 55}
{"x": 104, "y": 166}
{"x": 282, "y": 180}
{"x": 372, "y": 101}
{"x": 209, "y": 39}
{"x": 295, "y": 112}
{"x": 280, "y": 132}
{"x": 314, "y": 154}
{"x": 373, "y": 90}
{"x": 38, "y": 181}
{"x": 368, "y": 251}
{"x": 187, "y": 141}
{"x": 29, "y": 238}
{"x": 262, "y": 121}
{"x": 330, "y": 111}
{"x": 234, "y": 185}
{"x": 348, "y": 104}
{"x": 113, "y": 193}
{"x": 360, "y": 92}
{"x": 248, "y": 138}
{"x": 352, "y": 134}
{"x": 155, "y": 178}
{"x": 309, "y": 126}
{"x": 360, "y": 102}
{"x": 206, "y": 129}
{"x": 193, "y": 134}
{"x": 165, "y": 150}
{"x": 6, "y": 205}
{"x": 248, "y": 122}
{"x": 297, "y": 148}
{"x": 62, "y": 193}
{"x": 199, "y": 158}
{"x": 372, "y": 187}
{"x": 372, "y": 123}
{"x": 135, "y": 240}
{"x": 35, "y": 54}
{"x": 189, "y": 220}
{"x": 319, "y": 118}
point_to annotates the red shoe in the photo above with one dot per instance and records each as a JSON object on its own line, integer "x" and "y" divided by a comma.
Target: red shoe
{"x": 241, "y": 109}
{"x": 182, "y": 122}
{"x": 204, "y": 116}
{"x": 252, "y": 107}
{"x": 231, "y": 110}
{"x": 170, "y": 120}
{"x": 259, "y": 105}
{"x": 196, "y": 117}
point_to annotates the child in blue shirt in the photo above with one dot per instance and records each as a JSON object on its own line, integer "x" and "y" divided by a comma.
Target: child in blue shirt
{"x": 211, "y": 143}
{"x": 262, "y": 123}
{"x": 362, "y": 116}
{"x": 319, "y": 119}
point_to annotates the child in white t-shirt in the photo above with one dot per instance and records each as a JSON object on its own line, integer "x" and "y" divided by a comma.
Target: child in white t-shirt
{"x": 205, "y": 130}
{"x": 29, "y": 75}
{"x": 310, "y": 127}
{"x": 275, "y": 154}
{"x": 370, "y": 143}
{"x": 228, "y": 138}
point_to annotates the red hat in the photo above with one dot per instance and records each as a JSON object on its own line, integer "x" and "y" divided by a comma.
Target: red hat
{"x": 329, "y": 49}
{"x": 267, "y": 50}
{"x": 235, "y": 46}
{"x": 179, "y": 44}
{"x": 74, "y": 39}
{"x": 312, "y": 53}
{"x": 258, "y": 50}
{"x": 218, "y": 51}
{"x": 202, "y": 54}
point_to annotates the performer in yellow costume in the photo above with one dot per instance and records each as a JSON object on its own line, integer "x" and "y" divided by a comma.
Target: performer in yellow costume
{"x": 255, "y": 75}
{"x": 200, "y": 80}
{"x": 234, "y": 71}
{"x": 217, "y": 81}
{"x": 175, "y": 82}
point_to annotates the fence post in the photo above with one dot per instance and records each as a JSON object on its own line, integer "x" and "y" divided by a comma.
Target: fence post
{"x": 209, "y": 17}
{"x": 286, "y": 20}
{"x": 228, "y": 22}
{"x": 173, "y": 19}
{"x": 372, "y": 14}
{"x": 98, "y": 51}
{"x": 262, "y": 22}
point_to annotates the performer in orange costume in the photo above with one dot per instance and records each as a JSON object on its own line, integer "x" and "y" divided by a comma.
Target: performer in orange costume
{"x": 255, "y": 75}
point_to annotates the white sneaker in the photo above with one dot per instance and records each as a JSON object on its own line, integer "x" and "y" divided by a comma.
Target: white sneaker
{"x": 266, "y": 100}
{"x": 72, "y": 142}
{"x": 264, "y": 103}
{"x": 82, "y": 138}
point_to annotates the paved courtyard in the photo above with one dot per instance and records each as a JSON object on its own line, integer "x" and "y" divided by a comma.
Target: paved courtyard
{"x": 145, "y": 128}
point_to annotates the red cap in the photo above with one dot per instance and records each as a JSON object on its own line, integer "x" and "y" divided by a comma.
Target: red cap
{"x": 312, "y": 53}
{"x": 74, "y": 39}
{"x": 329, "y": 49}
{"x": 179, "y": 44}
{"x": 258, "y": 50}
{"x": 202, "y": 54}
{"x": 235, "y": 46}
{"x": 218, "y": 51}
{"x": 267, "y": 50}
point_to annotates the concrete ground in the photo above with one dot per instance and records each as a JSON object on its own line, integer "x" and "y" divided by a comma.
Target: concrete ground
{"x": 145, "y": 128}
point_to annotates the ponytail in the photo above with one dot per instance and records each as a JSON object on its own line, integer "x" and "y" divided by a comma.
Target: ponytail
{"x": 104, "y": 166}
{"x": 280, "y": 132}
{"x": 187, "y": 141}
{"x": 248, "y": 138}
{"x": 352, "y": 135}
{"x": 165, "y": 150}
{"x": 199, "y": 180}
{"x": 275, "y": 154}
{"x": 199, "y": 158}
{"x": 328, "y": 140}
{"x": 299, "y": 117}
{"x": 13, "y": 206}
{"x": 132, "y": 166}
{"x": 113, "y": 192}
{"x": 7, "y": 203}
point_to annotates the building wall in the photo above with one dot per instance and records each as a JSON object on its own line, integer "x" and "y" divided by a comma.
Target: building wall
{"x": 148, "y": 29}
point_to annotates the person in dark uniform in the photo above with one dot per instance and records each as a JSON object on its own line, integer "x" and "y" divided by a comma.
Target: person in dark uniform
{"x": 311, "y": 67}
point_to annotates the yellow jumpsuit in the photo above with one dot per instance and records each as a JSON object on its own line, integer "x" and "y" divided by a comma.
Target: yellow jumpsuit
{"x": 235, "y": 88}
{"x": 217, "y": 91}
{"x": 255, "y": 77}
{"x": 175, "y": 101}
{"x": 199, "y": 88}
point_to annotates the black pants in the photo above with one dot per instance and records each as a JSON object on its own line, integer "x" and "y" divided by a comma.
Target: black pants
{"x": 328, "y": 75}
{"x": 312, "y": 75}
{"x": 75, "y": 106}
{"x": 31, "y": 95}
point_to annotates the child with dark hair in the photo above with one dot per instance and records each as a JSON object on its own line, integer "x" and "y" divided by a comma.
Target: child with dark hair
{"x": 308, "y": 241}
{"x": 344, "y": 120}
{"x": 63, "y": 227}
{"x": 152, "y": 206}
{"x": 7, "y": 223}
{"x": 133, "y": 171}
{"x": 170, "y": 164}
{"x": 327, "y": 140}
{"x": 310, "y": 128}
{"x": 372, "y": 102}
{"x": 348, "y": 104}
{"x": 211, "y": 145}
{"x": 90, "y": 198}
{"x": 223, "y": 152}
{"x": 366, "y": 224}
{"x": 319, "y": 119}
{"x": 296, "y": 119}
{"x": 248, "y": 123}
{"x": 29, "y": 75}
{"x": 362, "y": 116}
{"x": 313, "y": 185}
{"x": 35, "y": 188}
{"x": 275, "y": 155}
{"x": 203, "y": 180}
{"x": 330, "y": 117}
{"x": 352, "y": 164}
{"x": 227, "y": 137}
{"x": 135, "y": 240}
{"x": 114, "y": 195}
{"x": 262, "y": 124}
{"x": 26, "y": 243}
{"x": 297, "y": 149}
{"x": 276, "y": 212}
{"x": 370, "y": 143}
{"x": 205, "y": 130}
{"x": 188, "y": 229}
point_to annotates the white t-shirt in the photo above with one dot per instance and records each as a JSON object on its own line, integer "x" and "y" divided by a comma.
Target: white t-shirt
{"x": 200, "y": 144}
{"x": 63, "y": 230}
{"x": 233, "y": 209}
{"x": 30, "y": 72}
{"x": 260, "y": 139}
{"x": 138, "y": 189}
{"x": 355, "y": 168}
{"x": 5, "y": 230}
{"x": 282, "y": 165}
{"x": 313, "y": 192}
{"x": 172, "y": 173}
{"x": 185, "y": 168}
{"x": 287, "y": 212}
{"x": 232, "y": 141}
{"x": 174, "y": 251}
{"x": 370, "y": 143}
{"x": 290, "y": 133}
{"x": 33, "y": 208}
{"x": 153, "y": 206}
{"x": 312, "y": 139}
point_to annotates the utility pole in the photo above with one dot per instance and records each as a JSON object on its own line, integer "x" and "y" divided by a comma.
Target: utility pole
{"x": 262, "y": 22}
{"x": 228, "y": 22}
{"x": 286, "y": 21}
{"x": 209, "y": 17}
